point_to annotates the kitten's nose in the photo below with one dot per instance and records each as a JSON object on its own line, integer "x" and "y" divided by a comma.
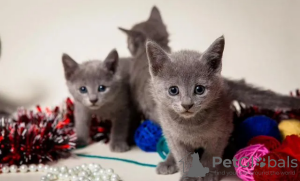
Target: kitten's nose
{"x": 94, "y": 100}
{"x": 187, "y": 106}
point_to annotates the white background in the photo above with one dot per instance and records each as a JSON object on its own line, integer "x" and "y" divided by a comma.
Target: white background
{"x": 262, "y": 38}
{"x": 262, "y": 44}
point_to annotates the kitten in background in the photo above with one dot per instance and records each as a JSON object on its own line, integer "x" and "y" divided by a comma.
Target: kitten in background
{"x": 193, "y": 103}
{"x": 101, "y": 89}
{"x": 153, "y": 28}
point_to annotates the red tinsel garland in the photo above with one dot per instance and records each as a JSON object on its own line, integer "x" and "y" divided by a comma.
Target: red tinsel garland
{"x": 43, "y": 136}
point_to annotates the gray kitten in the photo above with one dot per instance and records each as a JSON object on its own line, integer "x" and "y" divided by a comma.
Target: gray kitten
{"x": 101, "y": 89}
{"x": 193, "y": 104}
{"x": 153, "y": 28}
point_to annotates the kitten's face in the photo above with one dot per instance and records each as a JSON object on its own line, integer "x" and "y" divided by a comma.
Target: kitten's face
{"x": 92, "y": 83}
{"x": 153, "y": 29}
{"x": 186, "y": 82}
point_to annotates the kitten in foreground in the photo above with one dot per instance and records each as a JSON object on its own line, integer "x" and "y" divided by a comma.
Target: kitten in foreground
{"x": 101, "y": 89}
{"x": 154, "y": 29}
{"x": 193, "y": 103}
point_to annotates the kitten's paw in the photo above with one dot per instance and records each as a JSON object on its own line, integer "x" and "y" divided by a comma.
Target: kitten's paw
{"x": 80, "y": 143}
{"x": 166, "y": 168}
{"x": 119, "y": 147}
{"x": 190, "y": 179}
{"x": 211, "y": 177}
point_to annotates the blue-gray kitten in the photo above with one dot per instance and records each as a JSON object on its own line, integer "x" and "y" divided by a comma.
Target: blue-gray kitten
{"x": 193, "y": 103}
{"x": 154, "y": 29}
{"x": 101, "y": 88}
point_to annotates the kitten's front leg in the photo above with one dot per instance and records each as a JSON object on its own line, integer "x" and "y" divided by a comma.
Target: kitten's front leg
{"x": 214, "y": 149}
{"x": 120, "y": 132}
{"x": 82, "y": 125}
{"x": 168, "y": 166}
{"x": 182, "y": 155}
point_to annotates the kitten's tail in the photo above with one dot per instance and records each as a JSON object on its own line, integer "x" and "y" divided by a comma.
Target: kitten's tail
{"x": 264, "y": 99}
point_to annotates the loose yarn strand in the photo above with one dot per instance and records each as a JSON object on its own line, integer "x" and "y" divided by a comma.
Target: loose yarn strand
{"x": 117, "y": 159}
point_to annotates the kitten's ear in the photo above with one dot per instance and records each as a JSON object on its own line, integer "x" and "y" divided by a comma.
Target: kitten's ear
{"x": 214, "y": 54}
{"x": 69, "y": 64}
{"x": 157, "y": 57}
{"x": 136, "y": 35}
{"x": 136, "y": 40}
{"x": 111, "y": 61}
{"x": 132, "y": 33}
{"x": 127, "y": 32}
{"x": 155, "y": 14}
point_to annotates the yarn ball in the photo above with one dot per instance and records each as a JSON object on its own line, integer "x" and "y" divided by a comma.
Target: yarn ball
{"x": 290, "y": 146}
{"x": 147, "y": 135}
{"x": 246, "y": 159}
{"x": 257, "y": 126}
{"x": 162, "y": 148}
{"x": 276, "y": 167}
{"x": 269, "y": 142}
{"x": 289, "y": 127}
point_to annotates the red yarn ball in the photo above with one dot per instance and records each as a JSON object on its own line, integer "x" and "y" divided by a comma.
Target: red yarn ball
{"x": 269, "y": 142}
{"x": 278, "y": 167}
{"x": 291, "y": 146}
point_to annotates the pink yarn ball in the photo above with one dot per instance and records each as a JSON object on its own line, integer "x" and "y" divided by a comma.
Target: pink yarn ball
{"x": 244, "y": 167}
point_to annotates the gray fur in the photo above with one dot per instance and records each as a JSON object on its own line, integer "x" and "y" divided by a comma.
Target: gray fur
{"x": 262, "y": 98}
{"x": 112, "y": 104}
{"x": 153, "y": 28}
{"x": 208, "y": 123}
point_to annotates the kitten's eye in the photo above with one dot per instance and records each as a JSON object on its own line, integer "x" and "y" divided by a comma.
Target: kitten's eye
{"x": 101, "y": 88}
{"x": 199, "y": 89}
{"x": 83, "y": 89}
{"x": 173, "y": 91}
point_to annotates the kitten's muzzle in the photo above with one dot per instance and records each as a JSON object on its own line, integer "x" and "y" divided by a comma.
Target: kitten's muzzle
{"x": 94, "y": 101}
{"x": 187, "y": 106}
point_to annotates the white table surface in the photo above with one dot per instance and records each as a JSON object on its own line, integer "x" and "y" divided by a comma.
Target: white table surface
{"x": 127, "y": 171}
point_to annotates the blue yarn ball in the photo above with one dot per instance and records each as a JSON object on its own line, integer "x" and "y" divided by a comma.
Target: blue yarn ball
{"x": 257, "y": 126}
{"x": 162, "y": 148}
{"x": 147, "y": 135}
